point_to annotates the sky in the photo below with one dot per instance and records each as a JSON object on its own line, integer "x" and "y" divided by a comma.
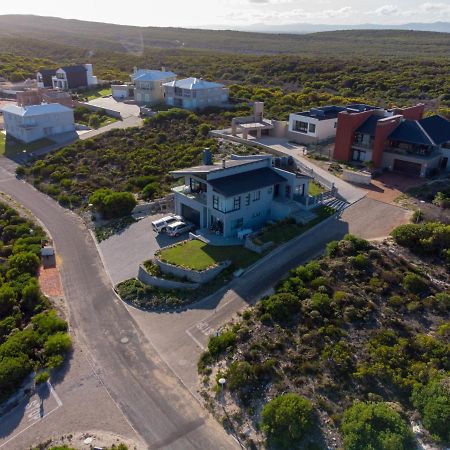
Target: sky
{"x": 229, "y": 13}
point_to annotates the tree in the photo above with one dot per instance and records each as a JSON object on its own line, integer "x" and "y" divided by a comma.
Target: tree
{"x": 375, "y": 426}
{"x": 286, "y": 419}
{"x": 7, "y": 300}
{"x": 25, "y": 262}
{"x": 433, "y": 402}
{"x": 113, "y": 204}
{"x": 57, "y": 344}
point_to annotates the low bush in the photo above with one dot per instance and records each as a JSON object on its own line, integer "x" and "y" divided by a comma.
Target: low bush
{"x": 218, "y": 344}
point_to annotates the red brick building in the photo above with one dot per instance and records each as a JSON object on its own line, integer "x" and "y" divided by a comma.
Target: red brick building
{"x": 395, "y": 139}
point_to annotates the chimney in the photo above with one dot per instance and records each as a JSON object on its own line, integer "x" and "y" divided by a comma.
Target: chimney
{"x": 223, "y": 163}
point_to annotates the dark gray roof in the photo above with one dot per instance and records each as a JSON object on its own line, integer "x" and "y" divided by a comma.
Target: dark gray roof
{"x": 437, "y": 128}
{"x": 323, "y": 112}
{"x": 369, "y": 126}
{"x": 409, "y": 131}
{"x": 44, "y": 72}
{"x": 73, "y": 69}
{"x": 246, "y": 182}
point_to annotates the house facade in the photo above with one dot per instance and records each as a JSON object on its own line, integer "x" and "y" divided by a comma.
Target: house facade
{"x": 239, "y": 193}
{"x": 195, "y": 93}
{"x": 30, "y": 123}
{"x": 399, "y": 140}
{"x": 69, "y": 77}
{"x": 148, "y": 86}
{"x": 319, "y": 124}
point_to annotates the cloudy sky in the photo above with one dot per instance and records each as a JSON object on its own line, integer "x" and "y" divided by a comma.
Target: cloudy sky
{"x": 191, "y": 13}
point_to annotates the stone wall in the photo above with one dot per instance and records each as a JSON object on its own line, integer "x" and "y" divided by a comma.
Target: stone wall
{"x": 161, "y": 205}
{"x": 195, "y": 276}
{"x": 162, "y": 283}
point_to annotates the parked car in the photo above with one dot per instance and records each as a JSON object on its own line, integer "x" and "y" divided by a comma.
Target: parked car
{"x": 160, "y": 225}
{"x": 177, "y": 228}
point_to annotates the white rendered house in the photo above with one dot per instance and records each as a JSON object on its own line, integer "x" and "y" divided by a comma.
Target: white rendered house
{"x": 148, "y": 85}
{"x": 30, "y": 123}
{"x": 195, "y": 93}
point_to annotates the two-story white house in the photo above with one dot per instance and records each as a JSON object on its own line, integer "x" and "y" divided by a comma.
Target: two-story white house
{"x": 243, "y": 192}
{"x": 318, "y": 124}
{"x": 195, "y": 93}
{"x": 148, "y": 85}
{"x": 30, "y": 123}
{"x": 68, "y": 77}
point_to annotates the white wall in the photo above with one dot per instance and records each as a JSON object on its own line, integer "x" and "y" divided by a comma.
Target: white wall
{"x": 42, "y": 126}
{"x": 325, "y": 129}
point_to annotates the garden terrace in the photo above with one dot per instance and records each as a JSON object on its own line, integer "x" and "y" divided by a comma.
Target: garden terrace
{"x": 362, "y": 323}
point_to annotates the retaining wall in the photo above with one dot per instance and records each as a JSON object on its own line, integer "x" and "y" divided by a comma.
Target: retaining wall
{"x": 166, "y": 204}
{"x": 109, "y": 112}
{"x": 250, "y": 245}
{"x": 162, "y": 283}
{"x": 204, "y": 276}
{"x": 357, "y": 177}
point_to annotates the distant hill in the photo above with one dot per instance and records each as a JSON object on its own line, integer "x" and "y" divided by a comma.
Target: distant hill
{"x": 22, "y": 33}
{"x": 305, "y": 28}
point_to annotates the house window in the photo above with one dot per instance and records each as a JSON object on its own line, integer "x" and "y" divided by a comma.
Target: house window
{"x": 301, "y": 127}
{"x": 178, "y": 91}
{"x": 256, "y": 196}
{"x": 238, "y": 223}
{"x": 312, "y": 128}
{"x": 247, "y": 200}
{"x": 237, "y": 203}
{"x": 215, "y": 202}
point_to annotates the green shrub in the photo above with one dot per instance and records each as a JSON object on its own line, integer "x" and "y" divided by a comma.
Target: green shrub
{"x": 281, "y": 307}
{"x": 113, "y": 204}
{"x": 57, "y": 344}
{"x": 375, "y": 426}
{"x": 240, "y": 374}
{"x": 218, "y": 344}
{"x": 42, "y": 377}
{"x": 360, "y": 262}
{"x": 433, "y": 402}
{"x": 25, "y": 262}
{"x": 414, "y": 283}
{"x": 286, "y": 420}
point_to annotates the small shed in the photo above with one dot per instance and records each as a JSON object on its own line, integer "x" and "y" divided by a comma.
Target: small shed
{"x": 48, "y": 256}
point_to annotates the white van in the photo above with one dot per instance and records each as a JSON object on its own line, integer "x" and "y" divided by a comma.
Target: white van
{"x": 177, "y": 228}
{"x": 160, "y": 225}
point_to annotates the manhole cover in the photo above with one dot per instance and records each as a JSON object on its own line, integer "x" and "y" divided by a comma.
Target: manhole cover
{"x": 124, "y": 340}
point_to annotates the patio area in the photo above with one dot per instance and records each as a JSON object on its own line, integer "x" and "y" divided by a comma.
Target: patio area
{"x": 210, "y": 237}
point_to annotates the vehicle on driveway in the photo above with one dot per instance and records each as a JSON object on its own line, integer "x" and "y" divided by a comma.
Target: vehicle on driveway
{"x": 177, "y": 228}
{"x": 160, "y": 225}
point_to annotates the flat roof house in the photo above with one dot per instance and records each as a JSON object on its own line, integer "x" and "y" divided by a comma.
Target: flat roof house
{"x": 319, "y": 124}
{"x": 148, "y": 86}
{"x": 399, "y": 140}
{"x": 195, "y": 93}
{"x": 68, "y": 77}
{"x": 239, "y": 193}
{"x": 30, "y": 123}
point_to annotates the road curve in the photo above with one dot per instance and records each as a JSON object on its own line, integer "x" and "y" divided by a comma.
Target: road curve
{"x": 158, "y": 406}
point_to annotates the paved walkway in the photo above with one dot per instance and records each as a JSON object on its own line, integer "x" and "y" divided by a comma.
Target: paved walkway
{"x": 50, "y": 282}
{"x": 129, "y": 122}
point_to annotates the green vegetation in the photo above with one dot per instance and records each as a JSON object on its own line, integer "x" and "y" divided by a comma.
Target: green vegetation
{"x": 32, "y": 336}
{"x": 286, "y": 420}
{"x": 124, "y": 160}
{"x": 285, "y": 230}
{"x": 85, "y": 116}
{"x": 198, "y": 255}
{"x": 433, "y": 402}
{"x": 361, "y": 324}
{"x": 375, "y": 426}
{"x": 113, "y": 227}
{"x": 315, "y": 189}
{"x": 12, "y": 148}
{"x": 112, "y": 205}
{"x": 92, "y": 94}
{"x": 431, "y": 239}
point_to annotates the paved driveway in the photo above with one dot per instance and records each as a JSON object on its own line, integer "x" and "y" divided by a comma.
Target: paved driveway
{"x": 110, "y": 103}
{"x": 123, "y": 252}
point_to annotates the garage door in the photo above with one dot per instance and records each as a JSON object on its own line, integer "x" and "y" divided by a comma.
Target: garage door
{"x": 407, "y": 167}
{"x": 190, "y": 214}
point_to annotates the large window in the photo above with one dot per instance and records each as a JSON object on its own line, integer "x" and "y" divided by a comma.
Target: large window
{"x": 312, "y": 128}
{"x": 237, "y": 203}
{"x": 256, "y": 196}
{"x": 178, "y": 91}
{"x": 215, "y": 202}
{"x": 247, "y": 200}
{"x": 301, "y": 127}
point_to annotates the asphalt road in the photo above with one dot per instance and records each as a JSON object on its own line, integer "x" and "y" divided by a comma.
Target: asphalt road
{"x": 158, "y": 406}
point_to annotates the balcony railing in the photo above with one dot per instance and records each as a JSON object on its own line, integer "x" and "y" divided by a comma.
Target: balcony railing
{"x": 363, "y": 145}
{"x": 414, "y": 153}
{"x": 187, "y": 192}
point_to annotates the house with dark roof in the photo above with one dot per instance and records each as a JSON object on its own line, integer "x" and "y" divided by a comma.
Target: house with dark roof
{"x": 243, "y": 192}
{"x": 68, "y": 77}
{"x": 319, "y": 124}
{"x": 398, "y": 140}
